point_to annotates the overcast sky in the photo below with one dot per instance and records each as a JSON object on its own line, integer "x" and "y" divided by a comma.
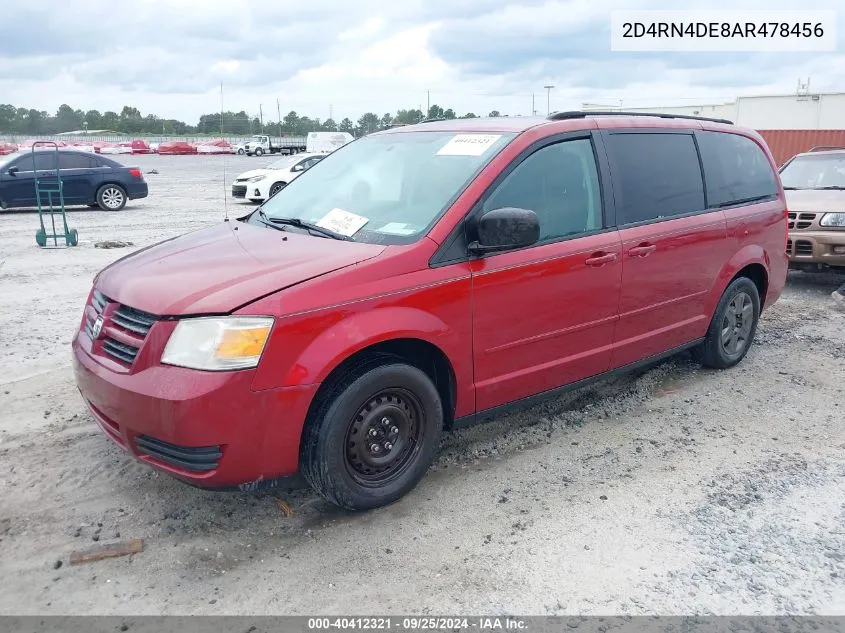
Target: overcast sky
{"x": 168, "y": 57}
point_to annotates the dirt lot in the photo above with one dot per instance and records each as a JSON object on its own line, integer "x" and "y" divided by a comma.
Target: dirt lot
{"x": 677, "y": 491}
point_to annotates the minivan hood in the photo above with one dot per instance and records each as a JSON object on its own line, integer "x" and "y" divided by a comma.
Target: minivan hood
{"x": 818, "y": 200}
{"x": 223, "y": 267}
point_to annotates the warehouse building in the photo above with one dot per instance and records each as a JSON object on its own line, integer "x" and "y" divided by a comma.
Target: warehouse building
{"x": 790, "y": 123}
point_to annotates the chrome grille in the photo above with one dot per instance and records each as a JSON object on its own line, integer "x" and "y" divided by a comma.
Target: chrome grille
{"x": 133, "y": 320}
{"x": 128, "y": 324}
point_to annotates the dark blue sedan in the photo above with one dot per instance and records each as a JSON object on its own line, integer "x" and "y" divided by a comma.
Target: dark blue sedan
{"x": 87, "y": 179}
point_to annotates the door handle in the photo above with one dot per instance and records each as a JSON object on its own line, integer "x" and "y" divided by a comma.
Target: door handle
{"x": 643, "y": 250}
{"x": 600, "y": 259}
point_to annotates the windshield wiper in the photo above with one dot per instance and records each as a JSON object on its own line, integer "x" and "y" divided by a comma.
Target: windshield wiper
{"x": 829, "y": 187}
{"x": 791, "y": 188}
{"x": 262, "y": 217}
{"x": 308, "y": 226}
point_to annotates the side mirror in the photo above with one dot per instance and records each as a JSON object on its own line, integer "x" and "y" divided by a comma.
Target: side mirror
{"x": 13, "y": 171}
{"x": 504, "y": 229}
{"x": 297, "y": 168}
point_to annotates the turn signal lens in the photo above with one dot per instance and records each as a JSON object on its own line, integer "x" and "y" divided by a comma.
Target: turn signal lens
{"x": 242, "y": 343}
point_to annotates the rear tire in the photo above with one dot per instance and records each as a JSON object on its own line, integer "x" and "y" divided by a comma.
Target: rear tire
{"x": 111, "y": 197}
{"x": 373, "y": 436}
{"x": 734, "y": 324}
{"x": 241, "y": 151}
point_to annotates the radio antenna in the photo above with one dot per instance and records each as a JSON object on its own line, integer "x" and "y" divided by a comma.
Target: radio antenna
{"x": 225, "y": 179}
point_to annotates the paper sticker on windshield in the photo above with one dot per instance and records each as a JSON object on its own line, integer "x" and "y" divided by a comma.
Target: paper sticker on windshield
{"x": 468, "y": 144}
{"x": 342, "y": 222}
{"x": 398, "y": 228}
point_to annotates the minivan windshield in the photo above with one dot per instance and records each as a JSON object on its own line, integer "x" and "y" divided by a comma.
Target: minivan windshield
{"x": 822, "y": 171}
{"x": 386, "y": 188}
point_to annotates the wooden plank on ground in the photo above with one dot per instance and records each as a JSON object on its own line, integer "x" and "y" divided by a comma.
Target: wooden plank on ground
{"x": 107, "y": 550}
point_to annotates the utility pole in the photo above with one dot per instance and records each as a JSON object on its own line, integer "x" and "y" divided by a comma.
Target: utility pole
{"x": 261, "y": 117}
{"x": 279, "y": 113}
{"x": 533, "y": 109}
{"x": 331, "y": 112}
{"x": 548, "y": 99}
{"x": 427, "y": 102}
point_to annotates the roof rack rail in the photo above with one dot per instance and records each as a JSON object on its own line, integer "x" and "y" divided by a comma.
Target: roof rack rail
{"x": 825, "y": 148}
{"x": 582, "y": 114}
{"x": 433, "y": 119}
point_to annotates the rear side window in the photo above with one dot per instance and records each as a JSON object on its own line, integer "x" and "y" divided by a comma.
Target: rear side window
{"x": 735, "y": 168}
{"x": 656, "y": 176}
{"x": 44, "y": 160}
{"x": 75, "y": 161}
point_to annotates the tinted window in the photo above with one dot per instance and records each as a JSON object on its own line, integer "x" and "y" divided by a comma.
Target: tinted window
{"x": 560, "y": 184}
{"x": 735, "y": 168}
{"x": 75, "y": 161}
{"x": 45, "y": 160}
{"x": 24, "y": 163}
{"x": 655, "y": 176}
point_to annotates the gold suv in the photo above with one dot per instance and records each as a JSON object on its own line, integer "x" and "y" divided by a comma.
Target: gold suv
{"x": 815, "y": 195}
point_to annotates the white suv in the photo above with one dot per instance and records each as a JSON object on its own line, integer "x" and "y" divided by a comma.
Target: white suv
{"x": 257, "y": 185}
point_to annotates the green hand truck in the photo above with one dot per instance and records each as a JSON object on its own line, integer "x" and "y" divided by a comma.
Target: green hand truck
{"x": 48, "y": 185}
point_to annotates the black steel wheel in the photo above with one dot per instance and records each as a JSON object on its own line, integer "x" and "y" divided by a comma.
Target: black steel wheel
{"x": 733, "y": 325}
{"x": 371, "y": 437}
{"x": 384, "y": 437}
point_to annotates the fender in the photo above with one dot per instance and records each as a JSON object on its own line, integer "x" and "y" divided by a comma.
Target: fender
{"x": 356, "y": 331}
{"x": 748, "y": 254}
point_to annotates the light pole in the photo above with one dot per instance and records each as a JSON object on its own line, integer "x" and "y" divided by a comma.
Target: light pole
{"x": 548, "y": 99}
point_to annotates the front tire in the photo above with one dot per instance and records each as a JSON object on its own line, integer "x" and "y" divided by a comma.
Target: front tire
{"x": 733, "y": 326}
{"x": 276, "y": 187}
{"x": 241, "y": 151}
{"x": 374, "y": 437}
{"x": 259, "y": 151}
{"x": 111, "y": 197}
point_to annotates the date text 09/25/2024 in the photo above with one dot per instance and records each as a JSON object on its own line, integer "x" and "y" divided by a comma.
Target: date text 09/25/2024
{"x": 425, "y": 623}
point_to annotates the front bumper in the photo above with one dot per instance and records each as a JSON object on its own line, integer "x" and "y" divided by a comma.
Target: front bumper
{"x": 816, "y": 247}
{"x": 255, "y": 191}
{"x": 210, "y": 429}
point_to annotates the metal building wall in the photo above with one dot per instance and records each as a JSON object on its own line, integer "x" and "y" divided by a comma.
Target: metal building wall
{"x": 776, "y": 112}
{"x": 787, "y": 143}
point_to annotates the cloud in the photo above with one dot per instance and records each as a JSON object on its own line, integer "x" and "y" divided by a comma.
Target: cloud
{"x": 347, "y": 58}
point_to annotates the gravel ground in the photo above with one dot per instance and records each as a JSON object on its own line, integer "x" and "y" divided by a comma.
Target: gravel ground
{"x": 676, "y": 491}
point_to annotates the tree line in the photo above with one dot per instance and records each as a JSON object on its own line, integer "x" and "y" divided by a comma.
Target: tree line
{"x": 25, "y": 121}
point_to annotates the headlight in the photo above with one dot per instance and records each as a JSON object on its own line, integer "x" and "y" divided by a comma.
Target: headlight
{"x": 217, "y": 343}
{"x": 255, "y": 179}
{"x": 833, "y": 219}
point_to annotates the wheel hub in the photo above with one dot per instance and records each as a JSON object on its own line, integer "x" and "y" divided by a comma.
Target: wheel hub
{"x": 737, "y": 323}
{"x": 382, "y": 436}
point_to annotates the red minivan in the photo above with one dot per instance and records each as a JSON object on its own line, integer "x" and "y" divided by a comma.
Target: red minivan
{"x": 426, "y": 277}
